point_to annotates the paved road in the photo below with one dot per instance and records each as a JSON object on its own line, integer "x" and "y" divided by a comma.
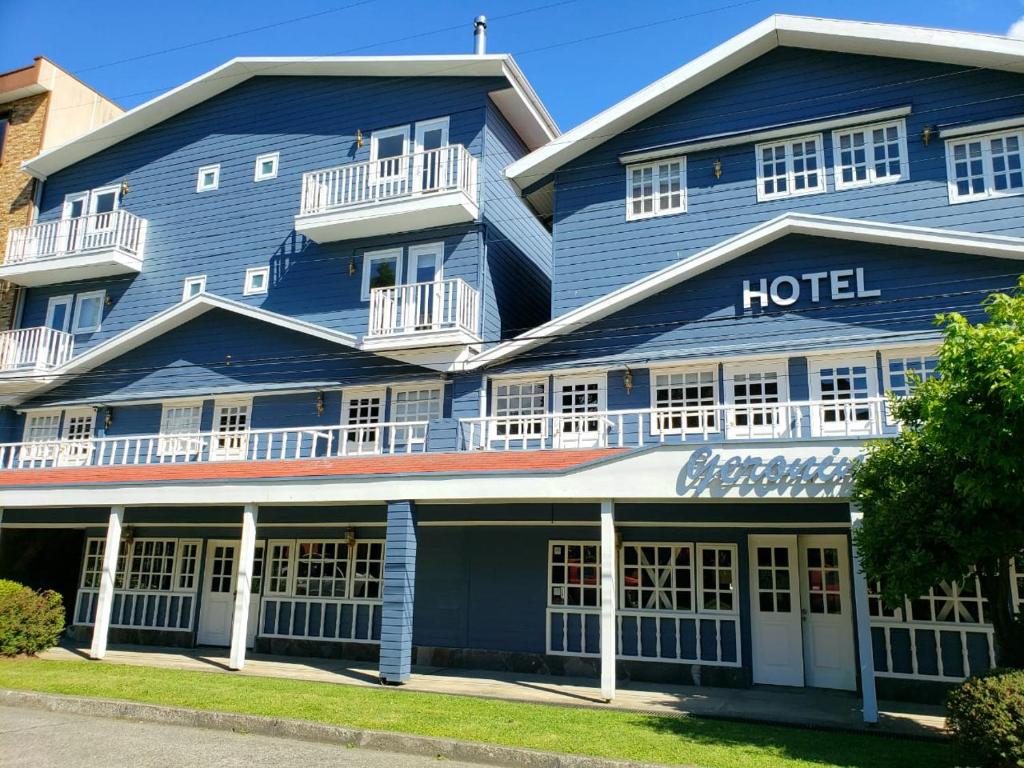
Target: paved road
{"x": 30, "y": 737}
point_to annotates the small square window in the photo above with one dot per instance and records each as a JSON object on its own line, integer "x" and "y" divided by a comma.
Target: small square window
{"x": 266, "y": 166}
{"x": 381, "y": 269}
{"x": 256, "y": 280}
{"x": 208, "y": 178}
{"x": 193, "y": 287}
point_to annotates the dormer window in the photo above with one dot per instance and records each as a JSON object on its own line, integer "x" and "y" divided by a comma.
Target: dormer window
{"x": 656, "y": 189}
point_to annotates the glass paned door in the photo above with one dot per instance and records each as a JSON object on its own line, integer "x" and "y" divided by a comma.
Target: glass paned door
{"x": 427, "y": 303}
{"x": 102, "y": 218}
{"x": 575, "y": 400}
{"x": 231, "y": 424}
{"x": 432, "y": 164}
{"x": 775, "y": 610}
{"x": 829, "y": 660}
{"x": 75, "y": 207}
{"x": 389, "y": 152}
{"x": 218, "y": 593}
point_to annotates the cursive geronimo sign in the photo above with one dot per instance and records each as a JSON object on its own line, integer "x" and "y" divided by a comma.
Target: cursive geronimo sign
{"x": 705, "y": 467}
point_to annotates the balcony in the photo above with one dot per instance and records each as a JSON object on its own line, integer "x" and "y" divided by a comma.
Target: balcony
{"x": 98, "y": 245}
{"x": 252, "y": 445}
{"x": 434, "y": 188}
{"x": 441, "y": 311}
{"x": 34, "y": 350}
{"x": 797, "y": 420}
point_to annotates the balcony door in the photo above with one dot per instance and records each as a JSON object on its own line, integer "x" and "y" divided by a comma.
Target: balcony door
{"x": 423, "y": 306}
{"x": 101, "y": 225}
{"x": 431, "y": 161}
{"x": 230, "y": 441}
{"x": 389, "y": 162}
{"x": 575, "y": 399}
{"x": 75, "y": 208}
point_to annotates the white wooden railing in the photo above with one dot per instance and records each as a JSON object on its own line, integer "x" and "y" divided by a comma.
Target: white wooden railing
{"x": 140, "y": 608}
{"x": 201, "y": 447}
{"x": 448, "y": 169}
{"x": 117, "y": 230}
{"x": 924, "y": 645}
{"x": 321, "y": 618}
{"x": 439, "y": 305}
{"x": 646, "y": 426}
{"x": 37, "y": 349}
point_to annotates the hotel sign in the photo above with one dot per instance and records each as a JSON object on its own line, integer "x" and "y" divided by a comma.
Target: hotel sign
{"x": 786, "y": 290}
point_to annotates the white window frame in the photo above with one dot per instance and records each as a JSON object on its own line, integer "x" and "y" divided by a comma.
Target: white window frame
{"x": 426, "y": 249}
{"x": 69, "y": 200}
{"x": 658, "y": 429}
{"x": 572, "y": 429}
{"x": 698, "y": 566}
{"x": 212, "y": 168}
{"x": 363, "y": 393}
{"x": 814, "y": 366}
{"x": 384, "y": 133}
{"x": 53, "y": 429}
{"x": 656, "y": 209}
{"x": 788, "y": 143}
{"x": 565, "y": 584}
{"x": 252, "y": 272}
{"x": 665, "y": 586}
{"x": 236, "y": 441}
{"x": 869, "y": 150}
{"x": 415, "y": 435}
{"x": 902, "y": 355}
{"x": 79, "y": 300}
{"x": 781, "y": 424}
{"x": 76, "y": 447}
{"x": 68, "y": 301}
{"x": 199, "y": 280}
{"x": 529, "y": 426}
{"x": 371, "y": 256}
{"x": 170, "y": 444}
{"x": 988, "y": 173}
{"x": 258, "y": 175}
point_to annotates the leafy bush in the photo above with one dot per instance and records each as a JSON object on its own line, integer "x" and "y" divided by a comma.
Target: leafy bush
{"x": 986, "y": 716}
{"x": 30, "y": 621}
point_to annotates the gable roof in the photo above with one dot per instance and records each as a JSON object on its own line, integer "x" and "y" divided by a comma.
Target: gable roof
{"x": 867, "y": 38}
{"x": 168, "y": 320}
{"x": 859, "y": 230}
{"x": 518, "y": 103}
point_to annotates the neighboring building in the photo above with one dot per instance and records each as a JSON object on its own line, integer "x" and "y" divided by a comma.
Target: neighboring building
{"x": 41, "y": 107}
{"x": 324, "y": 363}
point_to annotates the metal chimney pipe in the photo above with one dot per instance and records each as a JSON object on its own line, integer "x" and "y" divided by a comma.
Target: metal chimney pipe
{"x": 480, "y": 35}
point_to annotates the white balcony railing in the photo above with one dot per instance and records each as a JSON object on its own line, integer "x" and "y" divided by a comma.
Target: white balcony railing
{"x": 720, "y": 423}
{"x": 116, "y": 230}
{"x": 440, "y": 305}
{"x": 202, "y": 447}
{"x": 34, "y": 349}
{"x": 434, "y": 171}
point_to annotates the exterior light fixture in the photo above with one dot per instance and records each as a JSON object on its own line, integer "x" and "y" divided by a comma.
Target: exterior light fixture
{"x": 350, "y": 537}
{"x": 359, "y": 138}
{"x": 319, "y": 403}
{"x": 352, "y": 267}
{"x": 108, "y": 301}
{"x": 129, "y": 536}
{"x": 627, "y": 381}
{"x": 716, "y": 168}
{"x": 125, "y": 189}
{"x": 108, "y": 418}
{"x": 926, "y": 134}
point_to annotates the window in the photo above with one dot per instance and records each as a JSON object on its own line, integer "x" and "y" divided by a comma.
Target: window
{"x": 42, "y": 427}
{"x": 193, "y": 287}
{"x": 231, "y": 423}
{"x": 189, "y": 558}
{"x": 152, "y": 565}
{"x": 266, "y": 166}
{"x": 256, "y": 281}
{"x": 845, "y": 391}
{"x": 754, "y": 394}
{"x": 368, "y": 570}
{"x": 321, "y": 569}
{"x": 985, "y": 166}
{"x": 76, "y": 445}
{"x": 92, "y": 567}
{"x": 874, "y": 154}
{"x": 656, "y": 189}
{"x": 58, "y": 312}
{"x": 902, "y": 371}
{"x": 824, "y": 574}
{"x": 959, "y": 602}
{"x": 574, "y": 574}
{"x": 420, "y": 404}
{"x": 208, "y": 178}
{"x": 279, "y": 567}
{"x": 515, "y": 402}
{"x": 685, "y": 400}
{"x": 88, "y": 312}
{"x": 717, "y": 577}
{"x": 156, "y": 565}
{"x": 361, "y": 413}
{"x": 774, "y": 587}
{"x": 657, "y": 577}
{"x": 790, "y": 168}
{"x": 180, "y": 419}
{"x": 381, "y": 269}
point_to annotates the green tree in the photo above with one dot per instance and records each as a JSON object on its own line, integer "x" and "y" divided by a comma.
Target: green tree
{"x": 945, "y": 498}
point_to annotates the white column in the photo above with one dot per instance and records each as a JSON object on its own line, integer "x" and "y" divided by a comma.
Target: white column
{"x": 243, "y": 587}
{"x": 105, "y": 601}
{"x": 863, "y": 615}
{"x": 608, "y": 594}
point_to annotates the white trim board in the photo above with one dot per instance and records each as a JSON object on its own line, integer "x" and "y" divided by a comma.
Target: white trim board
{"x": 518, "y": 102}
{"x": 871, "y": 39}
{"x": 972, "y": 129}
{"x": 859, "y": 230}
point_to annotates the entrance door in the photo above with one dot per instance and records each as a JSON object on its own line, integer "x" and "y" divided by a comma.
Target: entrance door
{"x": 826, "y": 610}
{"x": 575, "y": 399}
{"x": 218, "y": 593}
{"x": 775, "y": 611}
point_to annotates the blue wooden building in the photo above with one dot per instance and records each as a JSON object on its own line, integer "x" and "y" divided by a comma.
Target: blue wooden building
{"x": 360, "y": 357}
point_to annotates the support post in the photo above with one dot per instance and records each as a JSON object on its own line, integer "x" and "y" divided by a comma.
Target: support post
{"x": 243, "y": 587}
{"x": 399, "y": 593}
{"x": 105, "y": 601}
{"x": 863, "y": 615}
{"x": 608, "y": 590}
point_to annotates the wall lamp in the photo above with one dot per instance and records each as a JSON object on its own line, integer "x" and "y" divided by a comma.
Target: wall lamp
{"x": 125, "y": 189}
{"x": 716, "y": 168}
{"x": 627, "y": 381}
{"x": 108, "y": 418}
{"x": 927, "y": 133}
{"x": 350, "y": 537}
{"x": 352, "y": 267}
{"x": 359, "y": 138}
{"x": 319, "y": 403}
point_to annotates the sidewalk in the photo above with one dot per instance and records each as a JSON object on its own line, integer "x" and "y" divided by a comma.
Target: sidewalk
{"x": 807, "y": 707}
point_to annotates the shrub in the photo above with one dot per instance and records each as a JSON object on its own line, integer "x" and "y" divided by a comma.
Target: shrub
{"x": 986, "y": 716}
{"x": 30, "y": 621}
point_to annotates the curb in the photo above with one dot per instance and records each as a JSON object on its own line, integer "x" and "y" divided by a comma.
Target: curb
{"x": 304, "y": 730}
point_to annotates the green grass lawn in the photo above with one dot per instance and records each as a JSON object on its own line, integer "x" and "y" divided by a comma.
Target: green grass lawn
{"x": 606, "y": 733}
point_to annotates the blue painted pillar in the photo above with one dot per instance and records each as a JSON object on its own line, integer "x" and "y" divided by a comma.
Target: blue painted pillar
{"x": 399, "y": 590}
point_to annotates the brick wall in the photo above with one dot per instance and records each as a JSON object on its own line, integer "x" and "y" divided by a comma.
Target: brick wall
{"x": 23, "y": 139}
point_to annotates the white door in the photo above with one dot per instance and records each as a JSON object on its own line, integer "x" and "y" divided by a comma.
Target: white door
{"x": 575, "y": 398}
{"x": 425, "y": 302}
{"x": 75, "y": 209}
{"x": 100, "y": 230}
{"x": 829, "y": 660}
{"x": 218, "y": 593}
{"x": 230, "y": 441}
{"x": 775, "y": 610}
{"x": 389, "y": 166}
{"x": 431, "y": 157}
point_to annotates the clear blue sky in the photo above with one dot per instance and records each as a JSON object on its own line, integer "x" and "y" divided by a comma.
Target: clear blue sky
{"x": 580, "y": 55}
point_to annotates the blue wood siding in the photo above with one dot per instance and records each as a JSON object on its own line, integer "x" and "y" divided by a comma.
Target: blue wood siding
{"x": 597, "y": 250}
{"x": 399, "y": 593}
